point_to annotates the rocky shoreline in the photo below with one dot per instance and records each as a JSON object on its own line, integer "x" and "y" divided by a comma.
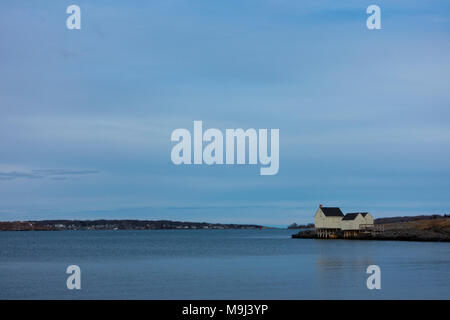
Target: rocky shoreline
{"x": 386, "y": 237}
{"x": 433, "y": 230}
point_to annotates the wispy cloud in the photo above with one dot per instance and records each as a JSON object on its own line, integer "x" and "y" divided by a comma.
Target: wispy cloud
{"x": 15, "y": 175}
{"x": 62, "y": 172}
{"x": 55, "y": 174}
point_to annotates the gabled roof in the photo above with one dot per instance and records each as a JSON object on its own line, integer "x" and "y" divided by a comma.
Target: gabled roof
{"x": 354, "y": 214}
{"x": 364, "y": 214}
{"x": 332, "y": 212}
{"x": 351, "y": 216}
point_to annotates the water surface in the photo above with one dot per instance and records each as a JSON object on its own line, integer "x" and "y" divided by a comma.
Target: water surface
{"x": 217, "y": 264}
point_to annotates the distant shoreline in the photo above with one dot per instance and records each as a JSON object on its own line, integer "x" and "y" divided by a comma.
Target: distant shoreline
{"x": 75, "y": 225}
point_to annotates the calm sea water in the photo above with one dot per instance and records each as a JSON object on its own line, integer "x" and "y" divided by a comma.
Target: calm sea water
{"x": 216, "y": 264}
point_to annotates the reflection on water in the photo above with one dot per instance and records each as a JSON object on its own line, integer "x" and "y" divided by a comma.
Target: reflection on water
{"x": 342, "y": 264}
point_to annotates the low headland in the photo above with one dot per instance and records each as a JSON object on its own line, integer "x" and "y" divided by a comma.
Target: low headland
{"x": 61, "y": 225}
{"x": 417, "y": 228}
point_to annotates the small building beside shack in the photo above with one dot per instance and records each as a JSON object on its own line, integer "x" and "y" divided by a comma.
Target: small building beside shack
{"x": 351, "y": 224}
{"x": 369, "y": 218}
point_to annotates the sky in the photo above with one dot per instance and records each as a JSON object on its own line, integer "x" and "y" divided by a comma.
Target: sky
{"x": 86, "y": 115}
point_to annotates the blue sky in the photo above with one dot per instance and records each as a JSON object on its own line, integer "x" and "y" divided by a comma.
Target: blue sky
{"x": 86, "y": 115}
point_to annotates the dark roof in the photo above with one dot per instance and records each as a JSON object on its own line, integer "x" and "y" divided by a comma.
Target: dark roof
{"x": 351, "y": 216}
{"x": 332, "y": 212}
{"x": 364, "y": 214}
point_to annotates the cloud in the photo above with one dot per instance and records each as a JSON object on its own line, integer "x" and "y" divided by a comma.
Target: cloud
{"x": 58, "y": 172}
{"x": 55, "y": 174}
{"x": 14, "y": 175}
